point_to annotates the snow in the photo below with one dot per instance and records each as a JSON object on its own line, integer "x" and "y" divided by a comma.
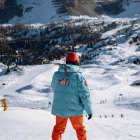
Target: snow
{"x": 41, "y": 12}
{"x": 25, "y": 124}
{"x": 131, "y": 10}
{"x": 110, "y": 33}
{"x": 28, "y": 91}
{"x": 28, "y": 94}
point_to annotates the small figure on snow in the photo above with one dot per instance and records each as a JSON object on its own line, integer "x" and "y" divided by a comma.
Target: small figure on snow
{"x": 4, "y": 103}
{"x": 122, "y": 116}
{"x": 120, "y": 97}
{"x": 49, "y": 104}
{"x": 71, "y": 98}
{"x": 101, "y": 101}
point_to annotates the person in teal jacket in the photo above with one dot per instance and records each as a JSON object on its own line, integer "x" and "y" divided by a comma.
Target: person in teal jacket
{"x": 71, "y": 98}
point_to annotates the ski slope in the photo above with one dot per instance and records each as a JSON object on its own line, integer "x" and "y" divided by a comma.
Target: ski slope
{"x": 28, "y": 116}
{"x": 28, "y": 93}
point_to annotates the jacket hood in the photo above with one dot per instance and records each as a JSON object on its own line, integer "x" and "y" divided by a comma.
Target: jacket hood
{"x": 69, "y": 68}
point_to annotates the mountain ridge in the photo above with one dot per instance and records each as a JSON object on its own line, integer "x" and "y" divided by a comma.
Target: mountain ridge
{"x": 33, "y": 11}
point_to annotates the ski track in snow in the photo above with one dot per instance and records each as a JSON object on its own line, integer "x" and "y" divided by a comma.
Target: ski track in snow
{"x": 28, "y": 116}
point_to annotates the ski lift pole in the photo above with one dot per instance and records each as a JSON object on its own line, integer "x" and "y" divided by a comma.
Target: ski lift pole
{"x": 4, "y": 104}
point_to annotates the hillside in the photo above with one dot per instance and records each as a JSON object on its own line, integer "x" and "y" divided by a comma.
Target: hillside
{"x": 109, "y": 50}
{"x": 37, "y": 44}
{"x": 35, "y": 38}
{"x": 35, "y": 11}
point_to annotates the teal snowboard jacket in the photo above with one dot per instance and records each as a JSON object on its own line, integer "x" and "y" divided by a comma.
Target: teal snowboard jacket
{"x": 71, "y": 92}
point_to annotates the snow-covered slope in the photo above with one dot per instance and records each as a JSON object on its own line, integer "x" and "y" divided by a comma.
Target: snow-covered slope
{"x": 119, "y": 8}
{"x": 113, "y": 68}
{"x": 46, "y": 11}
{"x": 28, "y": 115}
{"x": 37, "y": 11}
{"x": 111, "y": 78}
{"x": 131, "y": 9}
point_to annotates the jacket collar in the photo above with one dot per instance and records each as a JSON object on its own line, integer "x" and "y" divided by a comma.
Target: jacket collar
{"x": 69, "y": 68}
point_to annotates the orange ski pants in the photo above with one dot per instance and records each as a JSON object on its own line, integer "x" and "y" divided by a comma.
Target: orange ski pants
{"x": 77, "y": 123}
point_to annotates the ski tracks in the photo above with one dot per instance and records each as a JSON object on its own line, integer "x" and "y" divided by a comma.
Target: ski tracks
{"x": 103, "y": 130}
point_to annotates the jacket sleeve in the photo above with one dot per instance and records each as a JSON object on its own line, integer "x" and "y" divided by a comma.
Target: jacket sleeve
{"x": 53, "y": 82}
{"x": 84, "y": 94}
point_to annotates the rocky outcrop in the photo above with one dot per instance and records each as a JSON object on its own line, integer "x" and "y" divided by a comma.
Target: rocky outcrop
{"x": 81, "y": 7}
{"x": 9, "y": 9}
{"x": 2, "y": 3}
{"x": 136, "y": 83}
{"x": 113, "y": 7}
{"x": 92, "y": 8}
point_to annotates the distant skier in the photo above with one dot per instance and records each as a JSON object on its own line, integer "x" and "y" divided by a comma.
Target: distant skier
{"x": 71, "y": 98}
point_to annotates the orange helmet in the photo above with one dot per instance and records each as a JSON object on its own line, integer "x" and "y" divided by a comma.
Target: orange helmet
{"x": 72, "y": 58}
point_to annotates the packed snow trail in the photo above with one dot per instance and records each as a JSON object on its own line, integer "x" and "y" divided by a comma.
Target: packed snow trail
{"x": 30, "y": 89}
{"x": 28, "y": 116}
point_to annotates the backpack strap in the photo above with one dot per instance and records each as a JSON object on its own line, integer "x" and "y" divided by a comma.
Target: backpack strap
{"x": 78, "y": 70}
{"x": 65, "y": 71}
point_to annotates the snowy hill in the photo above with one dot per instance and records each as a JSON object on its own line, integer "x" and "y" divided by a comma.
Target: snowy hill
{"x": 28, "y": 115}
{"x": 37, "y": 44}
{"x": 35, "y": 11}
{"x": 109, "y": 50}
{"x": 110, "y": 58}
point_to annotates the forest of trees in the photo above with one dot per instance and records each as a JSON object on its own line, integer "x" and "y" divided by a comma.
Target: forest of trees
{"x": 27, "y": 44}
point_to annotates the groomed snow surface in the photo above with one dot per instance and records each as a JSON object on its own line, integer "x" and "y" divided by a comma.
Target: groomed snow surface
{"x": 28, "y": 93}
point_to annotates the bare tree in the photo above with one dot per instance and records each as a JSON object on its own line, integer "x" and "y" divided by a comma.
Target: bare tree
{"x": 7, "y": 56}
